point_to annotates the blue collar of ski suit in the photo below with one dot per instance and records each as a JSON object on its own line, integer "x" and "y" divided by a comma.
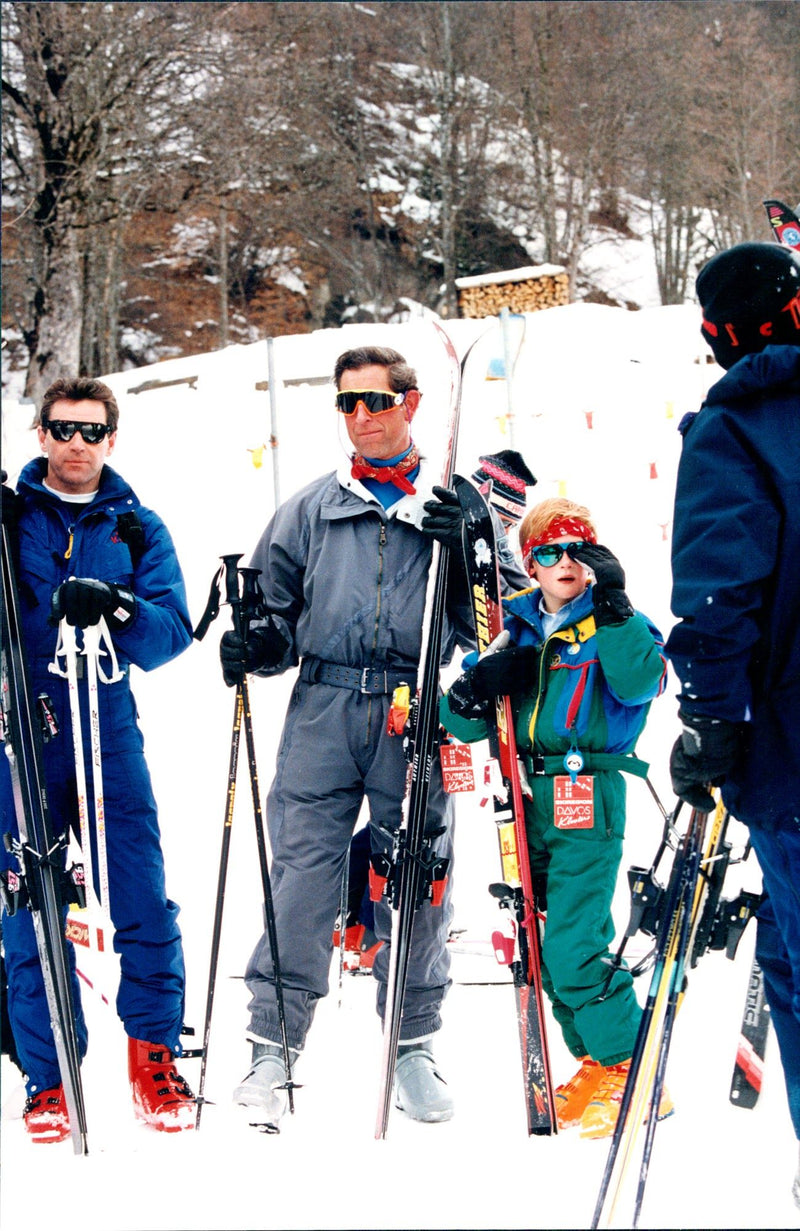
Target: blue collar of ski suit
{"x": 524, "y": 606}
{"x": 113, "y": 489}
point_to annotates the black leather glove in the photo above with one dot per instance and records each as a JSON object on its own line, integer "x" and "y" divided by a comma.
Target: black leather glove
{"x": 263, "y": 646}
{"x": 611, "y": 603}
{"x": 703, "y": 755}
{"x": 84, "y": 601}
{"x": 443, "y": 519}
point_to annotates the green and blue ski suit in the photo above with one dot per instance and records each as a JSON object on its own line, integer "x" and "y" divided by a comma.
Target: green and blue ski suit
{"x": 591, "y": 691}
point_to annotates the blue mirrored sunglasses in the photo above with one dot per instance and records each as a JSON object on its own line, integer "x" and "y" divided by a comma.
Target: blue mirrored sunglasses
{"x": 550, "y": 553}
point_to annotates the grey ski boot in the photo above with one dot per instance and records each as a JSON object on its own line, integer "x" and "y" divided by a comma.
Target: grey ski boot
{"x": 262, "y": 1093}
{"x": 419, "y": 1088}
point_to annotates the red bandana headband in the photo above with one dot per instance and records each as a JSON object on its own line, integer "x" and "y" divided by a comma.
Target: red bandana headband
{"x": 558, "y": 529}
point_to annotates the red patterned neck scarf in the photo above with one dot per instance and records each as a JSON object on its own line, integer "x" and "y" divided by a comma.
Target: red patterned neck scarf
{"x": 362, "y": 469}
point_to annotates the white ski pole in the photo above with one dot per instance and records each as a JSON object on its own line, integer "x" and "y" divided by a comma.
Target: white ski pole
{"x": 94, "y": 638}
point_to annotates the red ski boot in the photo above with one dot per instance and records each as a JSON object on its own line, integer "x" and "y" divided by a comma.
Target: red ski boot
{"x": 45, "y": 1115}
{"x": 360, "y": 946}
{"x": 161, "y": 1097}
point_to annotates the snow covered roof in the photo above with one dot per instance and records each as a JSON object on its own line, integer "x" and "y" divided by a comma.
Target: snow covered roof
{"x": 511, "y": 275}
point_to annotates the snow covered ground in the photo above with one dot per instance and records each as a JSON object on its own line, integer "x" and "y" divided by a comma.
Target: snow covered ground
{"x": 598, "y": 394}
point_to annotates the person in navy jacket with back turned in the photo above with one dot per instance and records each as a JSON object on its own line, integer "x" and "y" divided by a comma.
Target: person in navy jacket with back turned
{"x": 88, "y": 550}
{"x": 736, "y": 593}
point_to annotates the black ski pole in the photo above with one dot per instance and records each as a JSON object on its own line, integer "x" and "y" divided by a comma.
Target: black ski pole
{"x": 244, "y": 609}
{"x": 670, "y": 920}
{"x": 221, "y": 879}
{"x": 676, "y": 988}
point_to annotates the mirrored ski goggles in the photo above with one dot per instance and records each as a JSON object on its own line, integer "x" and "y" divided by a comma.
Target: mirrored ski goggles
{"x": 550, "y": 553}
{"x": 64, "y": 429}
{"x": 377, "y": 401}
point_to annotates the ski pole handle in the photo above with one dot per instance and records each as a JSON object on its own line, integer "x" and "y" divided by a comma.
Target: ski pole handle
{"x": 252, "y": 598}
{"x": 232, "y": 596}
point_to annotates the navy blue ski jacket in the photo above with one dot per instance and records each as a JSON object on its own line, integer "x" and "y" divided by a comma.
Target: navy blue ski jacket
{"x": 58, "y": 540}
{"x": 736, "y": 576}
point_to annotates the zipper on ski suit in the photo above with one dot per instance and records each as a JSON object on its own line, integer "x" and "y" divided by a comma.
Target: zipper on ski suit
{"x": 378, "y": 606}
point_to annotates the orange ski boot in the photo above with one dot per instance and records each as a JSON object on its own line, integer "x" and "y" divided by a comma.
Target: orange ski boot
{"x": 573, "y": 1096}
{"x": 600, "y": 1117}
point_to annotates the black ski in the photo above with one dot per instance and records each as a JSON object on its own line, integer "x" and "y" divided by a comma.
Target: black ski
{"x": 43, "y": 886}
{"x": 516, "y": 892}
{"x": 785, "y": 223}
{"x": 415, "y": 873}
{"x": 748, "y": 1069}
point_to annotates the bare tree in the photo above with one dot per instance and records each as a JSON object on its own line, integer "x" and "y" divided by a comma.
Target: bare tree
{"x": 90, "y": 94}
{"x": 751, "y": 89}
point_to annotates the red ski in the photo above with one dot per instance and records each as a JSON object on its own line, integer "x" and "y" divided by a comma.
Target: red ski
{"x": 520, "y": 947}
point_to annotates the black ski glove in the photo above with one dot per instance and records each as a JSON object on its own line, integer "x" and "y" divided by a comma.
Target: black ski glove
{"x": 264, "y": 646}
{"x": 84, "y": 601}
{"x": 461, "y": 697}
{"x": 611, "y": 603}
{"x": 704, "y": 753}
{"x": 500, "y": 674}
{"x": 504, "y": 672}
{"x": 10, "y": 506}
{"x": 443, "y": 519}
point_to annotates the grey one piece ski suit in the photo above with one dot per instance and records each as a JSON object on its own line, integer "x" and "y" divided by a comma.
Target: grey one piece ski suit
{"x": 346, "y": 580}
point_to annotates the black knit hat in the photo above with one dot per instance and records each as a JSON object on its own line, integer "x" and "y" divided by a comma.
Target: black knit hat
{"x": 510, "y": 476}
{"x": 750, "y": 296}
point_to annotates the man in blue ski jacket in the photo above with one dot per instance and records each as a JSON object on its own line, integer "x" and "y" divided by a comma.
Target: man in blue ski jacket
{"x": 735, "y": 553}
{"x": 344, "y": 564}
{"x": 89, "y": 552}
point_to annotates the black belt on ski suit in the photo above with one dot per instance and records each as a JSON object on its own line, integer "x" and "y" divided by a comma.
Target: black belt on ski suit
{"x": 372, "y": 681}
{"x": 593, "y": 762}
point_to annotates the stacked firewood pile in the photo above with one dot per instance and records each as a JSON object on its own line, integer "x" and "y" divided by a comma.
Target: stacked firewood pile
{"x": 520, "y": 290}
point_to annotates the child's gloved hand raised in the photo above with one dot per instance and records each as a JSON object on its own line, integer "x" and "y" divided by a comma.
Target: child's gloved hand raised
{"x": 611, "y": 603}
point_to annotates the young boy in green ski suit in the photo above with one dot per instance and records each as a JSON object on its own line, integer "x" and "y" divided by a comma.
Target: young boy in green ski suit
{"x": 582, "y": 670}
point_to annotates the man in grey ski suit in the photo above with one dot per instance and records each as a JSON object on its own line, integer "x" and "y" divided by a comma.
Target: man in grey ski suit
{"x": 344, "y": 565}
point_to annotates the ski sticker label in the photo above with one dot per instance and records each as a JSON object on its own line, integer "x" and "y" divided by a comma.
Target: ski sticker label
{"x": 457, "y": 771}
{"x": 573, "y": 801}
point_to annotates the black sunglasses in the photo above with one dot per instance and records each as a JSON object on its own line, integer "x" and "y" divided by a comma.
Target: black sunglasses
{"x": 63, "y": 430}
{"x": 376, "y": 401}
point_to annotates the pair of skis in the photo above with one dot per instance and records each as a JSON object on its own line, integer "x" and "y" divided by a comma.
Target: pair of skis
{"x": 414, "y": 874}
{"x": 40, "y": 851}
{"x": 687, "y": 917}
{"x": 413, "y": 869}
{"x": 521, "y": 950}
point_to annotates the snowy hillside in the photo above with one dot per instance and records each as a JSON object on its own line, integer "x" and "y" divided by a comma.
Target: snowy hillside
{"x": 598, "y": 393}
